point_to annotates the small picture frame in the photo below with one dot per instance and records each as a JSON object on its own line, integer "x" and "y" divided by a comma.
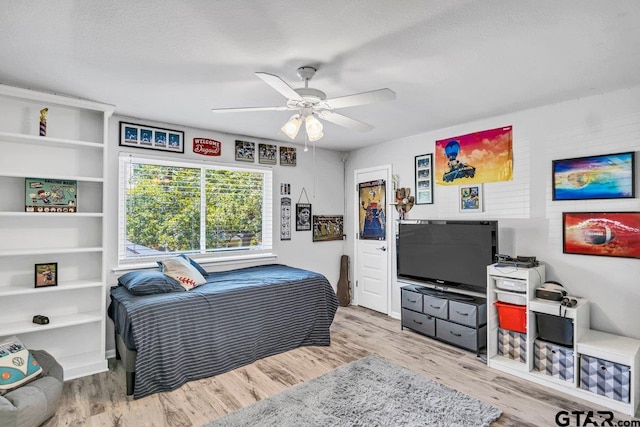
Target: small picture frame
{"x": 303, "y": 216}
{"x": 152, "y": 138}
{"x": 245, "y": 151}
{"x": 470, "y": 198}
{"x": 424, "y": 179}
{"x": 288, "y": 156}
{"x": 46, "y": 275}
{"x": 267, "y": 154}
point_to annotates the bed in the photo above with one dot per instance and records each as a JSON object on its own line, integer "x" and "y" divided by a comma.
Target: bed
{"x": 234, "y": 319}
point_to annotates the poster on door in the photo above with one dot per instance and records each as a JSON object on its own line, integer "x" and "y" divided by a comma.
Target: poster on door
{"x": 372, "y": 210}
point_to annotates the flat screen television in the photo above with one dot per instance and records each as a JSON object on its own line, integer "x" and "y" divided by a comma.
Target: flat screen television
{"x": 447, "y": 253}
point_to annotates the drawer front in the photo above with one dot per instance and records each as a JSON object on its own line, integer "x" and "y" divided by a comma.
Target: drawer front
{"x": 467, "y": 314}
{"x": 460, "y": 335}
{"x": 554, "y": 360}
{"x": 512, "y": 345}
{"x": 516, "y": 285}
{"x": 437, "y": 307}
{"x": 418, "y": 322}
{"x": 411, "y": 300}
{"x": 605, "y": 378}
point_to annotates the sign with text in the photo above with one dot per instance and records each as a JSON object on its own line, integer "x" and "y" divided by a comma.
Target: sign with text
{"x": 207, "y": 147}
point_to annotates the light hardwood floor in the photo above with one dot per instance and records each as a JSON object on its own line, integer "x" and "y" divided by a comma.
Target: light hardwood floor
{"x": 100, "y": 400}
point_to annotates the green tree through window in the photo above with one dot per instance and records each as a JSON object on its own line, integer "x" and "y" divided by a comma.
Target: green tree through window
{"x": 192, "y": 209}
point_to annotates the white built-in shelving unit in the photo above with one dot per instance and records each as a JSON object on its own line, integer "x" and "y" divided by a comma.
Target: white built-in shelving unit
{"x": 74, "y": 149}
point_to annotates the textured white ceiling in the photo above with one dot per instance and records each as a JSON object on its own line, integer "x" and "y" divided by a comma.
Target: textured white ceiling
{"x": 449, "y": 62}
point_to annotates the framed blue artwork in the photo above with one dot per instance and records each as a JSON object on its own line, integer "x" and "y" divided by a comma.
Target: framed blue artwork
{"x": 607, "y": 176}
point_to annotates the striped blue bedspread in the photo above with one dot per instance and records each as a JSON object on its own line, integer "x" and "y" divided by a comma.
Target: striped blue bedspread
{"x": 236, "y": 318}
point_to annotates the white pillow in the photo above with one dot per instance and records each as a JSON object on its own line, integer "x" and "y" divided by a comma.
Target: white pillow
{"x": 182, "y": 270}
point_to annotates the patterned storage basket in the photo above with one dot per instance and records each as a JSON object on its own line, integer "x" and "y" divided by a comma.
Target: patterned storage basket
{"x": 605, "y": 378}
{"x": 554, "y": 360}
{"x": 512, "y": 344}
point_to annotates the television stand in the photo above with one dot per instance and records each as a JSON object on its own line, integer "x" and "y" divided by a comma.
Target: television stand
{"x": 455, "y": 318}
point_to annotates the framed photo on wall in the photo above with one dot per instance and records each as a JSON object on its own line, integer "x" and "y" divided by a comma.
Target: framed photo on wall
{"x": 46, "y": 275}
{"x": 152, "y": 138}
{"x": 607, "y": 176}
{"x": 267, "y": 154}
{"x": 328, "y": 227}
{"x": 303, "y": 216}
{"x": 424, "y": 179}
{"x": 611, "y": 234}
{"x": 470, "y": 198}
{"x": 245, "y": 151}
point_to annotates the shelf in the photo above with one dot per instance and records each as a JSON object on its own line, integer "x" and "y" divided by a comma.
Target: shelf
{"x": 53, "y": 214}
{"x": 55, "y": 322}
{"x": 46, "y": 140}
{"x": 6, "y": 291}
{"x": 555, "y": 380}
{"x": 37, "y": 174}
{"x": 48, "y": 251}
{"x": 610, "y": 347}
{"x": 76, "y": 308}
{"x": 52, "y": 98}
{"x": 83, "y": 364}
{"x": 508, "y": 363}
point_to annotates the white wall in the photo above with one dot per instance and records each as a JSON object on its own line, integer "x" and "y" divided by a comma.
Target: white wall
{"x": 319, "y": 171}
{"x": 530, "y": 223}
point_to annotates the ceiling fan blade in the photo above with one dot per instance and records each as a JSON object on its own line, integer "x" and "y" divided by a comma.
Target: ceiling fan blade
{"x": 247, "y": 109}
{"x": 344, "y": 121}
{"x": 280, "y": 85}
{"x": 361, "y": 98}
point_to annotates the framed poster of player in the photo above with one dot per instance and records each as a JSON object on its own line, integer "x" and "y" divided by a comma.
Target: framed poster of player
{"x": 372, "y": 216}
{"x": 303, "y": 216}
{"x": 245, "y": 151}
{"x": 46, "y": 275}
{"x": 267, "y": 154}
{"x": 613, "y": 234}
{"x": 328, "y": 227}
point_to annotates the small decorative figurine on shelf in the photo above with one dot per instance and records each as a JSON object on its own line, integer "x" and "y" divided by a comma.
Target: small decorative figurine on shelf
{"x": 43, "y": 121}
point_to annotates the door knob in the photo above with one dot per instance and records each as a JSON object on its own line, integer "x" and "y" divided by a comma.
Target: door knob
{"x": 382, "y": 248}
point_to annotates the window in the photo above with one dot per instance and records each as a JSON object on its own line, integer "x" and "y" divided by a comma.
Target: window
{"x": 179, "y": 207}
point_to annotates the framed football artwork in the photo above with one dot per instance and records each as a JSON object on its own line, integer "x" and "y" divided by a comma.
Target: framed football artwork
{"x": 613, "y": 234}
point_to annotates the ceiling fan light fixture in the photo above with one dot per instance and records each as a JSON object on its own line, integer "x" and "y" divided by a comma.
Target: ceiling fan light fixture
{"x": 314, "y": 128}
{"x": 316, "y": 137}
{"x": 292, "y": 127}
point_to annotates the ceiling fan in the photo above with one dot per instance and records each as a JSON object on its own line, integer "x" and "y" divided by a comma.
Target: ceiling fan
{"x": 311, "y": 104}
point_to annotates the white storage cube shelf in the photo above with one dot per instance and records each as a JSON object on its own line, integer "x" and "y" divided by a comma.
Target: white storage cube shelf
{"x": 612, "y": 378}
{"x": 73, "y": 149}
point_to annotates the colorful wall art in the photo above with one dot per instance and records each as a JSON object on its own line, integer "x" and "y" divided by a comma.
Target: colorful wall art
{"x": 609, "y": 176}
{"x": 485, "y": 156}
{"x": 615, "y": 234}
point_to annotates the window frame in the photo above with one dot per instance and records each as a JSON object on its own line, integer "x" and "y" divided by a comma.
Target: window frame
{"x": 202, "y": 255}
